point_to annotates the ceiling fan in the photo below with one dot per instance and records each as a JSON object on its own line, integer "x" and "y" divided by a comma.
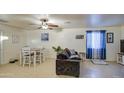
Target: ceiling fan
{"x": 46, "y": 25}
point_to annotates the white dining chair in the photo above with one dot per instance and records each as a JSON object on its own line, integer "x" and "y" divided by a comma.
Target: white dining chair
{"x": 44, "y": 53}
{"x": 26, "y": 56}
{"x": 38, "y": 56}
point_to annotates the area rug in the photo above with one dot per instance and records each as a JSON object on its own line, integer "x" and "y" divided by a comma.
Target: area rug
{"x": 99, "y": 62}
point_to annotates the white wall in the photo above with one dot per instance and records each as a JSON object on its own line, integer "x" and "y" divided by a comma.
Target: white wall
{"x": 122, "y": 32}
{"x": 11, "y": 50}
{"x": 113, "y": 48}
{"x": 66, "y": 38}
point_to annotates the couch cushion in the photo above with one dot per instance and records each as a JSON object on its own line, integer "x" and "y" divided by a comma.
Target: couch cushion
{"x": 68, "y": 51}
{"x": 62, "y": 56}
{"x": 76, "y": 57}
{"x": 66, "y": 54}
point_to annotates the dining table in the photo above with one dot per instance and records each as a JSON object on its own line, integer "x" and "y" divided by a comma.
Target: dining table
{"x": 35, "y": 52}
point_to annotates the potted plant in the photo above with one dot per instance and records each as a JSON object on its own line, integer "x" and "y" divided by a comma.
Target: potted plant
{"x": 57, "y": 49}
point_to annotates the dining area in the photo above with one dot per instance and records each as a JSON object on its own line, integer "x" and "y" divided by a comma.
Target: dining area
{"x": 31, "y": 56}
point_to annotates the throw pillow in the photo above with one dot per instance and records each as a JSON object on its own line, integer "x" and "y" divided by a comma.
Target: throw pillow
{"x": 65, "y": 53}
{"x": 72, "y": 52}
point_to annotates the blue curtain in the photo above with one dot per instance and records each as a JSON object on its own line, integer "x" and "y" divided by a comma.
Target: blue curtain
{"x": 96, "y": 41}
{"x": 89, "y": 45}
{"x": 103, "y": 44}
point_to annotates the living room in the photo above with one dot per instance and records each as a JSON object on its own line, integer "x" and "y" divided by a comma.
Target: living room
{"x": 81, "y": 52}
{"x": 23, "y": 30}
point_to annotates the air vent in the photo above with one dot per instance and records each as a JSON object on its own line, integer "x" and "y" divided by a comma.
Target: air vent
{"x": 67, "y": 22}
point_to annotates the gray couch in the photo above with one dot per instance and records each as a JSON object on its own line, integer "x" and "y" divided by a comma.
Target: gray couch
{"x": 68, "y": 63}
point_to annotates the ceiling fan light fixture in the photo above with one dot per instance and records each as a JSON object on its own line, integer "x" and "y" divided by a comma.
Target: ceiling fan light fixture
{"x": 44, "y": 24}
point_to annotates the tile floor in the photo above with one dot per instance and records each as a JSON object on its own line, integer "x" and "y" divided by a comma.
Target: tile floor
{"x": 112, "y": 70}
{"x": 47, "y": 70}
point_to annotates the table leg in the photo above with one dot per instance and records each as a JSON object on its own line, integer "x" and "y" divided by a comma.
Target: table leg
{"x": 20, "y": 61}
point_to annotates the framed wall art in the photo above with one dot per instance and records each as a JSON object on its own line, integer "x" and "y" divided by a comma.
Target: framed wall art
{"x": 79, "y": 36}
{"x": 110, "y": 37}
{"x": 44, "y": 36}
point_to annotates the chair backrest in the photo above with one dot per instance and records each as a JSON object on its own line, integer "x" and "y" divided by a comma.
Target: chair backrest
{"x": 26, "y": 51}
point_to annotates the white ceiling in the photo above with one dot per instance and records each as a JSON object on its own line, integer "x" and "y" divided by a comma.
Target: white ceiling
{"x": 26, "y": 21}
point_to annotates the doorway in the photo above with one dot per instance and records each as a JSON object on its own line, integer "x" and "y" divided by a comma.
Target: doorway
{"x": 96, "y": 44}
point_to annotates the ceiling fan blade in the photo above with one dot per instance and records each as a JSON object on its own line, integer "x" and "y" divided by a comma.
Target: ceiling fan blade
{"x": 34, "y": 24}
{"x": 55, "y": 28}
{"x": 52, "y": 25}
{"x": 39, "y": 27}
{"x": 50, "y": 28}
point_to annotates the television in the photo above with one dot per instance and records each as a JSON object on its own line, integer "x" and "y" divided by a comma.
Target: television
{"x": 122, "y": 46}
